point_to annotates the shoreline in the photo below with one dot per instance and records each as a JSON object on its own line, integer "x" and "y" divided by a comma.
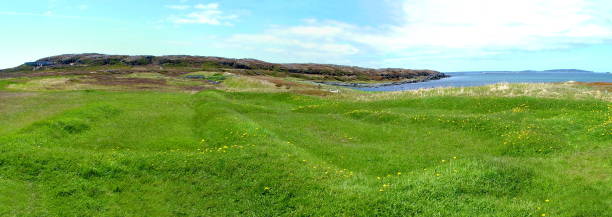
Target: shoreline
{"x": 383, "y": 84}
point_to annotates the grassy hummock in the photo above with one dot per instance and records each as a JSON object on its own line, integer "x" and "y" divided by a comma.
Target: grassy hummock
{"x": 257, "y": 146}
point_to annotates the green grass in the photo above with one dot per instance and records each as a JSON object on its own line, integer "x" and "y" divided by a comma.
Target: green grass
{"x": 217, "y": 153}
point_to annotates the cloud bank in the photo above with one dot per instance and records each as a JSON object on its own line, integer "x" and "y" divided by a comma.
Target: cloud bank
{"x": 482, "y": 27}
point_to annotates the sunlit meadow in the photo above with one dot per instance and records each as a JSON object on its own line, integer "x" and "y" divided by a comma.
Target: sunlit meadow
{"x": 272, "y": 151}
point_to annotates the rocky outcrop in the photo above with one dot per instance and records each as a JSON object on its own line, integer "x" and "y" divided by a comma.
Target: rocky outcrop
{"x": 382, "y": 84}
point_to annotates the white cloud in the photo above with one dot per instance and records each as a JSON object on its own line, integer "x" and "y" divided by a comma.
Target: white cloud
{"x": 479, "y": 27}
{"x": 178, "y": 7}
{"x": 495, "y": 24}
{"x": 211, "y": 6}
{"x": 303, "y": 43}
{"x": 204, "y": 14}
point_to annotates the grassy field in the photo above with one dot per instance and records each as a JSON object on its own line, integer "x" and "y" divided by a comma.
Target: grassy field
{"x": 260, "y": 147}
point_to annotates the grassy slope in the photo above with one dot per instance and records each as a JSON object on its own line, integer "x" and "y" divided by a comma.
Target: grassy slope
{"x": 219, "y": 153}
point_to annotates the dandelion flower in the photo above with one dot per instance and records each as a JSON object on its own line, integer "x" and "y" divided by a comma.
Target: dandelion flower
{"x": 399, "y": 173}
{"x": 547, "y": 200}
{"x": 266, "y": 188}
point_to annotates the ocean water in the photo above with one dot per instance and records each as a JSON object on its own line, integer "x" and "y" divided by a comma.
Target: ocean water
{"x": 467, "y": 79}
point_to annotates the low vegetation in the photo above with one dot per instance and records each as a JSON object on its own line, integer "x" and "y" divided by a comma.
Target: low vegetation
{"x": 151, "y": 144}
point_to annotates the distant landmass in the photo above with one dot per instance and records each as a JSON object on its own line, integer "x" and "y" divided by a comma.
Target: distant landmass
{"x": 569, "y": 71}
{"x": 179, "y": 64}
{"x": 561, "y": 71}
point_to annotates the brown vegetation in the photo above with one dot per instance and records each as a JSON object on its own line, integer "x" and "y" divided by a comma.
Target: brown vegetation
{"x": 113, "y": 80}
{"x": 598, "y": 85}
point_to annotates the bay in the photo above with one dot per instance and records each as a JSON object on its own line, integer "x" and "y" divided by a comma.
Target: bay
{"x": 467, "y": 79}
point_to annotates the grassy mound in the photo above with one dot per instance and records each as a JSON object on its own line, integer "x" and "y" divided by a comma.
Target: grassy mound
{"x": 269, "y": 153}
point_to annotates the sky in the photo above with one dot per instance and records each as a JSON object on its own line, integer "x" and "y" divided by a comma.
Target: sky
{"x": 443, "y": 35}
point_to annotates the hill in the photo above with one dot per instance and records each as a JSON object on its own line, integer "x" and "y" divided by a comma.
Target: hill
{"x": 86, "y": 63}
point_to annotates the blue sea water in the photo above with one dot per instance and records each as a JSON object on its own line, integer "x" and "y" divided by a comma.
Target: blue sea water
{"x": 467, "y": 79}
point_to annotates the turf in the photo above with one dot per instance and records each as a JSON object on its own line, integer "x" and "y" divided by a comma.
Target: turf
{"x": 220, "y": 153}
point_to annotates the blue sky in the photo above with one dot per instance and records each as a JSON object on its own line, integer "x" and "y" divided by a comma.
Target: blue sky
{"x": 445, "y": 35}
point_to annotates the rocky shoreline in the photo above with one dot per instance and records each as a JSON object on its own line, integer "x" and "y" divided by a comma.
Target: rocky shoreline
{"x": 383, "y": 84}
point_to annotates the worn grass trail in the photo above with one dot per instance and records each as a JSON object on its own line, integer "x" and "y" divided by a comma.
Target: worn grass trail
{"x": 219, "y": 153}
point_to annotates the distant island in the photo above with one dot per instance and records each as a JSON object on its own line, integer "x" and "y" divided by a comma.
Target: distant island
{"x": 569, "y": 71}
{"x": 573, "y": 71}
